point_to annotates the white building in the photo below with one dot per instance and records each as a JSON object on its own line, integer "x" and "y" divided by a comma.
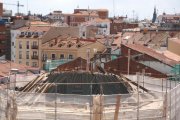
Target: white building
{"x": 14, "y": 34}
{"x": 102, "y": 25}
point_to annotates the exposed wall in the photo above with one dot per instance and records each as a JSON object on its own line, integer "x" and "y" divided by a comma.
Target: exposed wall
{"x": 97, "y": 46}
{"x": 174, "y": 47}
{"x": 118, "y": 27}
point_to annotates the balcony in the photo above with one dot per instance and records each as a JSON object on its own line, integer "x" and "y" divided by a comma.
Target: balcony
{"x": 44, "y": 59}
{"x": 34, "y": 47}
{"x": 34, "y": 57}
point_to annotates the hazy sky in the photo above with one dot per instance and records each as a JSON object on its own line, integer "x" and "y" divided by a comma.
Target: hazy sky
{"x": 142, "y": 8}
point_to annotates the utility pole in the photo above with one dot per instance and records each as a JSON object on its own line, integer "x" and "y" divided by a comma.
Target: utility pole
{"x": 129, "y": 53}
{"x": 88, "y": 59}
{"x": 143, "y": 73}
{"x": 138, "y": 94}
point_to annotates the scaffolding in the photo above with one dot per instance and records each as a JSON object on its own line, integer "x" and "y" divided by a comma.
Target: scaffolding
{"x": 54, "y": 106}
{"x": 140, "y": 105}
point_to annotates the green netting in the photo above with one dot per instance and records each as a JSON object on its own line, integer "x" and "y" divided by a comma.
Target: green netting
{"x": 52, "y": 64}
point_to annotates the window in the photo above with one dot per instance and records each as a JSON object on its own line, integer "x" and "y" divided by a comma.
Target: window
{"x": 27, "y": 63}
{"x": 12, "y": 43}
{"x": 115, "y": 27}
{"x": 53, "y": 56}
{"x": 20, "y": 62}
{"x": 27, "y": 54}
{"x": 34, "y": 64}
{"x": 34, "y": 43}
{"x": 70, "y": 56}
{"x": 44, "y": 57}
{"x": 84, "y": 34}
{"x": 20, "y": 54}
{"x": 27, "y": 45}
{"x": 62, "y": 56}
{"x": 20, "y": 44}
{"x": 35, "y": 53}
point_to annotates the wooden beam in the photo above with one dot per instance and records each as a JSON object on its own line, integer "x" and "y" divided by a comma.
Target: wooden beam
{"x": 116, "y": 114}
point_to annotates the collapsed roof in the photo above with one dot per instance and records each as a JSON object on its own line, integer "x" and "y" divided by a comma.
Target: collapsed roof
{"x": 83, "y": 83}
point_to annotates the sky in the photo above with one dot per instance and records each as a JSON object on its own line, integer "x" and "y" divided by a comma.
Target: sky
{"x": 137, "y": 8}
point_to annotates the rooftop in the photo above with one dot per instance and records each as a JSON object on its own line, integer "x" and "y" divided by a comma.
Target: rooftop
{"x": 152, "y": 53}
{"x": 7, "y": 66}
{"x": 67, "y": 42}
{"x": 35, "y": 29}
{"x": 55, "y": 32}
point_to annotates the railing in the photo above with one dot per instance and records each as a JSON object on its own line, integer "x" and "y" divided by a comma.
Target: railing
{"x": 35, "y": 57}
{"x": 34, "y": 47}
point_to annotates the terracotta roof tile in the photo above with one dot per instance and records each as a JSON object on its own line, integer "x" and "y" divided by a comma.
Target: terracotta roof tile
{"x": 55, "y": 32}
{"x": 6, "y": 66}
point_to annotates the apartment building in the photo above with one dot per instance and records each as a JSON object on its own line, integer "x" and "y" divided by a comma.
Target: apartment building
{"x": 5, "y": 38}
{"x": 79, "y": 16}
{"x": 28, "y": 45}
{"x": 95, "y": 27}
{"x": 68, "y": 48}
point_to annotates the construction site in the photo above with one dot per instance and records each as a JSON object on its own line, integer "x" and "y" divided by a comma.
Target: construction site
{"x": 82, "y": 95}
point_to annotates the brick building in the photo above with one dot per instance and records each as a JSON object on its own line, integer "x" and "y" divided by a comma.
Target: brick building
{"x": 79, "y": 16}
{"x": 1, "y": 9}
{"x": 120, "y": 66}
{"x": 5, "y": 44}
{"x": 118, "y": 27}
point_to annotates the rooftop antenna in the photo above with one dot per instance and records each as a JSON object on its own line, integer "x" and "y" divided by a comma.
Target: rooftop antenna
{"x": 114, "y": 8}
{"x": 174, "y": 11}
{"x": 133, "y": 15}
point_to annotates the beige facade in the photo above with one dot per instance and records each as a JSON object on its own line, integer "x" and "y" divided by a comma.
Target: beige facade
{"x": 69, "y": 48}
{"x": 32, "y": 52}
{"x": 174, "y": 45}
{"x": 28, "y": 51}
{"x": 93, "y": 47}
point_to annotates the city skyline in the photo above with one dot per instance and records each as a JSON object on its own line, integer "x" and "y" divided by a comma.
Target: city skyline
{"x": 142, "y": 9}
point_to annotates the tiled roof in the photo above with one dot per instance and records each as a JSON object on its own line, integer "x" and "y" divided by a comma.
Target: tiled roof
{"x": 35, "y": 28}
{"x": 99, "y": 20}
{"x": 151, "y": 53}
{"x": 38, "y": 23}
{"x": 172, "y": 55}
{"x": 6, "y": 66}
{"x": 67, "y": 42}
{"x": 55, "y": 32}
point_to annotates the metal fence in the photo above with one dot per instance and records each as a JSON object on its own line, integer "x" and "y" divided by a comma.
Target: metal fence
{"x": 173, "y": 100}
{"x": 53, "y": 106}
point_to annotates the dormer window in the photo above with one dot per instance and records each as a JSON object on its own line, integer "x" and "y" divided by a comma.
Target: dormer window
{"x": 51, "y": 45}
{"x": 78, "y": 46}
{"x": 69, "y": 45}
{"x": 22, "y": 34}
{"x": 29, "y": 34}
{"x": 60, "y": 45}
